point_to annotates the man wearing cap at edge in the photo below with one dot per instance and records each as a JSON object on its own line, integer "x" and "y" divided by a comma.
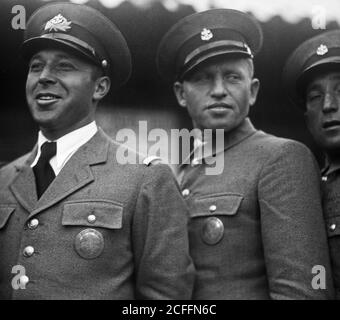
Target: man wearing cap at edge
{"x": 256, "y": 230}
{"x": 312, "y": 79}
{"x": 100, "y": 229}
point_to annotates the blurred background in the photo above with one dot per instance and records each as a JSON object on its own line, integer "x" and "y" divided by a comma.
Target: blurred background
{"x": 285, "y": 25}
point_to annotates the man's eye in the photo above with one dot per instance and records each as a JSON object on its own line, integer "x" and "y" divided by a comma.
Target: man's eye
{"x": 337, "y": 89}
{"x": 199, "y": 77}
{"x": 232, "y": 77}
{"x": 35, "y": 66}
{"x": 314, "y": 96}
{"x": 65, "y": 66}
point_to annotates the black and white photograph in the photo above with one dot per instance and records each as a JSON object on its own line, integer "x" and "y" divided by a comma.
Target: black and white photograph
{"x": 170, "y": 150}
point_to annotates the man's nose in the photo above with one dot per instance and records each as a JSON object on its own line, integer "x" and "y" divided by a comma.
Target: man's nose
{"x": 218, "y": 89}
{"x": 46, "y": 76}
{"x": 330, "y": 103}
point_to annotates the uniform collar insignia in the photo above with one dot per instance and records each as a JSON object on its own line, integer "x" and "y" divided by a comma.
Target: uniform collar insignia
{"x": 206, "y": 34}
{"x": 58, "y": 23}
{"x": 322, "y": 49}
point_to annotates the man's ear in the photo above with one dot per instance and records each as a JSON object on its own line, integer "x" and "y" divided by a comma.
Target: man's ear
{"x": 180, "y": 94}
{"x": 102, "y": 87}
{"x": 254, "y": 89}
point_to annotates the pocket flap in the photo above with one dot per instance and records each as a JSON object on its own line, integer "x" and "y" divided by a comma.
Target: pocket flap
{"x": 217, "y": 204}
{"x": 333, "y": 226}
{"x": 5, "y": 212}
{"x": 96, "y": 213}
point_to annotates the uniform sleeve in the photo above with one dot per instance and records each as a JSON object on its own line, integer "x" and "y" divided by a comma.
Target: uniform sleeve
{"x": 160, "y": 238}
{"x": 293, "y": 229}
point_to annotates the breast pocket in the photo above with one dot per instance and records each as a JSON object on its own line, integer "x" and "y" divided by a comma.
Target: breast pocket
{"x": 212, "y": 214}
{"x": 103, "y": 214}
{"x": 95, "y": 216}
{"x": 5, "y": 213}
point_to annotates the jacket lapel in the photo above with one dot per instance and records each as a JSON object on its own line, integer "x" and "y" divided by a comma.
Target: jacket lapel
{"x": 76, "y": 173}
{"x": 23, "y": 186}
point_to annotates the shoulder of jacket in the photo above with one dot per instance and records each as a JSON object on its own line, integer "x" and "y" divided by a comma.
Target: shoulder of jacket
{"x": 2, "y": 164}
{"x": 19, "y": 162}
{"x": 273, "y": 142}
{"x": 10, "y": 169}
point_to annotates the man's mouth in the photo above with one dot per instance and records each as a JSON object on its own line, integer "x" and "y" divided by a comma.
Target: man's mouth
{"x": 331, "y": 124}
{"x": 219, "y": 107}
{"x": 46, "y": 98}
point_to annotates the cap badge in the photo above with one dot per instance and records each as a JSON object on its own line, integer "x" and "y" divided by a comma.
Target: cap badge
{"x": 322, "y": 49}
{"x": 58, "y": 23}
{"x": 206, "y": 34}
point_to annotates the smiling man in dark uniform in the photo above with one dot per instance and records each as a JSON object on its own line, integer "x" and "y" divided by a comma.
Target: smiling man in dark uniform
{"x": 312, "y": 77}
{"x": 74, "y": 222}
{"x": 256, "y": 230}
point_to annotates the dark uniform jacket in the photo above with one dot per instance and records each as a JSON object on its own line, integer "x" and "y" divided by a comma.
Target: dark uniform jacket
{"x": 256, "y": 229}
{"x": 331, "y": 206}
{"x": 135, "y": 247}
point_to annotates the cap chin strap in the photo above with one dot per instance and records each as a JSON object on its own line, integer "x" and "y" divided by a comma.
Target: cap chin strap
{"x": 222, "y": 43}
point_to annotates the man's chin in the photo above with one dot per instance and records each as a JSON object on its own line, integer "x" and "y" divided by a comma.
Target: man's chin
{"x": 226, "y": 126}
{"x": 45, "y": 122}
{"x": 331, "y": 146}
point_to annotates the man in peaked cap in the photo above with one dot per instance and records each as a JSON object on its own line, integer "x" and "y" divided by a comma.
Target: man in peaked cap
{"x": 256, "y": 230}
{"x": 75, "y": 223}
{"x": 312, "y": 80}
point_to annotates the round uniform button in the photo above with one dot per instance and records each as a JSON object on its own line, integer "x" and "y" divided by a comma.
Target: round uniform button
{"x": 212, "y": 231}
{"x": 185, "y": 192}
{"x": 33, "y": 224}
{"x": 212, "y": 208}
{"x": 28, "y": 251}
{"x": 24, "y": 280}
{"x": 91, "y": 218}
{"x": 332, "y": 227}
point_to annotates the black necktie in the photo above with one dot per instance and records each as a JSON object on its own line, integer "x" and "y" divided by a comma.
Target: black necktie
{"x": 43, "y": 171}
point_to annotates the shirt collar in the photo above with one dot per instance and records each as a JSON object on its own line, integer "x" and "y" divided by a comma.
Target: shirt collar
{"x": 67, "y": 144}
{"x": 330, "y": 167}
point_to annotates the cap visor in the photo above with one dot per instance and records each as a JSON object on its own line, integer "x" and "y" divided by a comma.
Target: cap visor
{"x": 33, "y": 45}
{"x": 325, "y": 65}
{"x": 209, "y": 55}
